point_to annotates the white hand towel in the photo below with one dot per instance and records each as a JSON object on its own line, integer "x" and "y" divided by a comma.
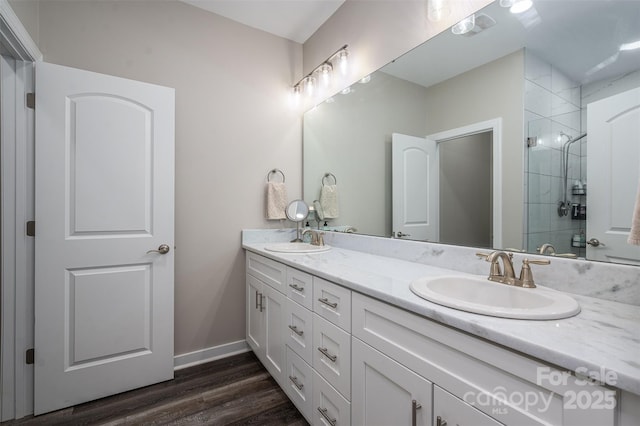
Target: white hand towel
{"x": 276, "y": 200}
{"x": 329, "y": 201}
{"x": 634, "y": 235}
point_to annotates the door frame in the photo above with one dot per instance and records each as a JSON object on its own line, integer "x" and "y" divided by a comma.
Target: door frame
{"x": 16, "y": 334}
{"x": 494, "y": 125}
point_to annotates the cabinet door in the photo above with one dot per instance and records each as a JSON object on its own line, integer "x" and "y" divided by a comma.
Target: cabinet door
{"x": 274, "y": 347}
{"x": 255, "y": 316}
{"x": 332, "y": 354}
{"x": 455, "y": 411}
{"x": 299, "y": 379}
{"x": 385, "y": 392}
{"x": 329, "y": 407}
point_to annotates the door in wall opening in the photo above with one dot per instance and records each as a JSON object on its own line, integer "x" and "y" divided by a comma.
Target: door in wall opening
{"x": 105, "y": 236}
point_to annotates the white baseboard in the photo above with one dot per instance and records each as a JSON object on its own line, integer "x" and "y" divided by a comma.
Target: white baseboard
{"x": 209, "y": 354}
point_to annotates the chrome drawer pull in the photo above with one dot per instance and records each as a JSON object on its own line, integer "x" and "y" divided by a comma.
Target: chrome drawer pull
{"x": 297, "y": 288}
{"x": 415, "y": 406}
{"x": 295, "y": 330}
{"x": 326, "y": 353}
{"x": 326, "y": 302}
{"x": 326, "y": 416}
{"x": 294, "y": 380}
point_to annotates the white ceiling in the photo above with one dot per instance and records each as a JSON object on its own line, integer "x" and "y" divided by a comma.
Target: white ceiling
{"x": 295, "y": 20}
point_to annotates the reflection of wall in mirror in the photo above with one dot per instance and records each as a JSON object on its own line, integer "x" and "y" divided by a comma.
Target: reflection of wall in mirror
{"x": 351, "y": 138}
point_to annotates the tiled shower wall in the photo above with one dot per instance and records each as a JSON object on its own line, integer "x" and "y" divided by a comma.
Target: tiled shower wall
{"x": 552, "y": 105}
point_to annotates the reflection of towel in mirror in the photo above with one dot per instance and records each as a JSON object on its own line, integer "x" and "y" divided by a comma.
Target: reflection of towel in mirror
{"x": 634, "y": 235}
{"x": 276, "y": 200}
{"x": 329, "y": 201}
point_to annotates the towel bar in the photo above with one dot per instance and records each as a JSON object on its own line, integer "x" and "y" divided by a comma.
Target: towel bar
{"x": 274, "y": 171}
{"x": 326, "y": 175}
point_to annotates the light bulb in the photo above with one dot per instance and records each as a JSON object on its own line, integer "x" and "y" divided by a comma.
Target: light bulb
{"x": 296, "y": 95}
{"x": 310, "y": 86}
{"x": 342, "y": 61}
{"x": 437, "y": 10}
{"x": 365, "y": 79}
{"x": 325, "y": 74}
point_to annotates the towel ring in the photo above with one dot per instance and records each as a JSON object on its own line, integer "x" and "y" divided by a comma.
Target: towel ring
{"x": 326, "y": 175}
{"x": 274, "y": 171}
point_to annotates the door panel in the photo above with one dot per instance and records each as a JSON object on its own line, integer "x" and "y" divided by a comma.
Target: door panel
{"x": 613, "y": 138}
{"x": 414, "y": 187}
{"x": 104, "y": 199}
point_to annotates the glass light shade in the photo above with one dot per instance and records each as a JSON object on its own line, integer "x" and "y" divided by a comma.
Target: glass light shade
{"x": 310, "y": 86}
{"x": 342, "y": 61}
{"x": 507, "y": 3}
{"x": 365, "y": 79}
{"x": 437, "y": 10}
{"x": 325, "y": 74}
{"x": 464, "y": 26}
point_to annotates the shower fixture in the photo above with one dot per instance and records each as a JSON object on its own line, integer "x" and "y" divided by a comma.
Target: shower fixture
{"x": 564, "y": 204}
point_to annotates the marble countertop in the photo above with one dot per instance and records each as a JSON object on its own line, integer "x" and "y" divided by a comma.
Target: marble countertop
{"x": 603, "y": 337}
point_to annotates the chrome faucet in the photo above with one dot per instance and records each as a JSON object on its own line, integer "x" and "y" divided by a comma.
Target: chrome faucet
{"x": 509, "y": 276}
{"x": 317, "y": 238}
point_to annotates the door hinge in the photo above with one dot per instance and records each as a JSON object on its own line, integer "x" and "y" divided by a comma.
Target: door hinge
{"x": 31, "y": 100}
{"x": 30, "y": 356}
{"x": 31, "y": 228}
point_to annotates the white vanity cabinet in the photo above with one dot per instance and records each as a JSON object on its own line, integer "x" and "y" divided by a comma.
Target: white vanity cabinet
{"x": 298, "y": 326}
{"x": 475, "y": 381}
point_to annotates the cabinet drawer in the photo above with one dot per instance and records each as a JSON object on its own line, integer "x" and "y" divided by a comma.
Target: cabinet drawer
{"x": 299, "y": 383}
{"x": 455, "y": 411}
{"x": 267, "y": 270}
{"x": 299, "y": 330}
{"x": 332, "y": 354}
{"x": 332, "y": 302}
{"x": 300, "y": 287}
{"x": 329, "y": 407}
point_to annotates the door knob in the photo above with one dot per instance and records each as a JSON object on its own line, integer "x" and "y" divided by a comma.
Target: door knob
{"x": 162, "y": 249}
{"x": 594, "y": 242}
{"x": 401, "y": 234}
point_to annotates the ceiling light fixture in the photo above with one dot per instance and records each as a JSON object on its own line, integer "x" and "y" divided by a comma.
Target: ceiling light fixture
{"x": 324, "y": 71}
{"x": 520, "y": 6}
{"x": 464, "y": 26}
{"x": 630, "y": 46}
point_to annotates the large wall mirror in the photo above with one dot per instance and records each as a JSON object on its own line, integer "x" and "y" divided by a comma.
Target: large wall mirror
{"x": 523, "y": 133}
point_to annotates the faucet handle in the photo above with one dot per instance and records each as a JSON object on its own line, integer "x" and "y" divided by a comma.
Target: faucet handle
{"x": 526, "y": 276}
{"x": 485, "y": 255}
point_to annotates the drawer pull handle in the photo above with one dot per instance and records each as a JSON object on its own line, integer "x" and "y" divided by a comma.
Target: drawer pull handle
{"x": 294, "y": 380}
{"x": 326, "y": 353}
{"x": 261, "y": 302}
{"x": 295, "y": 330}
{"x": 415, "y": 406}
{"x": 326, "y": 416}
{"x": 326, "y": 302}
{"x": 297, "y": 288}
{"x": 440, "y": 422}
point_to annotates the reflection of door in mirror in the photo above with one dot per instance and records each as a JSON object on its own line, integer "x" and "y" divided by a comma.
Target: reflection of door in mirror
{"x": 613, "y": 133}
{"x": 443, "y": 191}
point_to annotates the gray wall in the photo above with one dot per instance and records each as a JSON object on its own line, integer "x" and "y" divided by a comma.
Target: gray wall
{"x": 465, "y": 190}
{"x": 351, "y": 138}
{"x": 463, "y": 100}
{"x": 233, "y": 124}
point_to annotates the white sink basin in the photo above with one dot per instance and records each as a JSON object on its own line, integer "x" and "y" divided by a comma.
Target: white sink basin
{"x": 481, "y": 296}
{"x": 296, "y": 248}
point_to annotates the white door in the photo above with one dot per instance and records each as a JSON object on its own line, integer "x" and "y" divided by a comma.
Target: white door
{"x": 414, "y": 187}
{"x": 613, "y": 137}
{"x": 104, "y": 198}
{"x": 385, "y": 392}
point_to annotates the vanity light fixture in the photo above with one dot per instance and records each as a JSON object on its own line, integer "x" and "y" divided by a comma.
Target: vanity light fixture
{"x": 323, "y": 72}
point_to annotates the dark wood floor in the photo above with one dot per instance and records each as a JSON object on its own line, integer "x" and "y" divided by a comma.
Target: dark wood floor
{"x": 231, "y": 391}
